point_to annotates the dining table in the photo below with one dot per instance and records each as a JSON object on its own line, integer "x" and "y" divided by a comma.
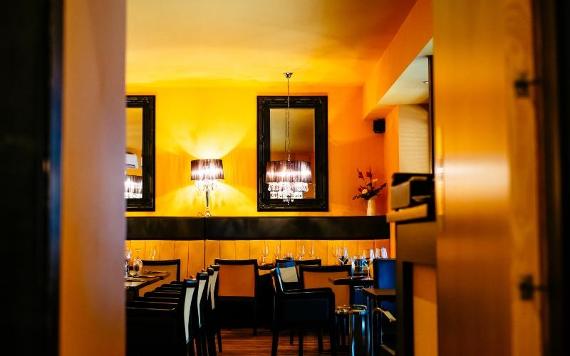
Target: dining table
{"x": 356, "y": 283}
{"x": 134, "y": 284}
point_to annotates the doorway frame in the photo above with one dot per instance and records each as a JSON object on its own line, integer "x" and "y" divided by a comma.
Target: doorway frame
{"x": 551, "y": 50}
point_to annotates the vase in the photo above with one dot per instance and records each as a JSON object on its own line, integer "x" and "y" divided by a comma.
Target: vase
{"x": 371, "y": 207}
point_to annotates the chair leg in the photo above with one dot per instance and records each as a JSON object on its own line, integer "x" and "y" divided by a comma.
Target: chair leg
{"x": 300, "y": 342}
{"x": 320, "y": 340}
{"x": 291, "y": 337}
{"x": 204, "y": 343}
{"x": 254, "y": 318}
{"x": 219, "y": 340}
{"x": 274, "y": 342}
{"x": 333, "y": 338}
{"x": 198, "y": 343}
{"x": 211, "y": 339}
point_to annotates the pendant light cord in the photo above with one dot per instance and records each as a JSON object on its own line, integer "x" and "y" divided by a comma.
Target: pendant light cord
{"x": 287, "y": 124}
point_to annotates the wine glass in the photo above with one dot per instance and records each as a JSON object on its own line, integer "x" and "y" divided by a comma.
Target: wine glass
{"x": 335, "y": 252}
{"x": 128, "y": 255}
{"x": 137, "y": 264}
{"x": 153, "y": 253}
{"x": 344, "y": 255}
{"x": 301, "y": 251}
{"x": 312, "y": 250}
{"x": 264, "y": 253}
{"x": 277, "y": 252}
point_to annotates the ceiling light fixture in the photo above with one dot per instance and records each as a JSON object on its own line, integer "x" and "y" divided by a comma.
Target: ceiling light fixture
{"x": 288, "y": 180}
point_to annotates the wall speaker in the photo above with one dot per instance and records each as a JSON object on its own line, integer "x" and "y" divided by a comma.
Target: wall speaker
{"x": 379, "y": 125}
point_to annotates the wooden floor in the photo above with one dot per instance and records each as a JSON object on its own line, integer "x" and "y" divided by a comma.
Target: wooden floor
{"x": 241, "y": 342}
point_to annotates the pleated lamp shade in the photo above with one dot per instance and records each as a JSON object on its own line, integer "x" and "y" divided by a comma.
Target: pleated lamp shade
{"x": 206, "y": 169}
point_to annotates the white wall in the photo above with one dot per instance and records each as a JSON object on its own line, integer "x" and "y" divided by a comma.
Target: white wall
{"x": 414, "y": 139}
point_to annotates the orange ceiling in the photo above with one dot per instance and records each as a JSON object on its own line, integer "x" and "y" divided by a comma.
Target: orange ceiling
{"x": 332, "y": 41}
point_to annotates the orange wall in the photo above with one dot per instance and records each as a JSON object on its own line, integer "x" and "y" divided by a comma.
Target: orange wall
{"x": 414, "y": 33}
{"x": 392, "y": 162}
{"x": 219, "y": 120}
{"x": 425, "y": 310}
{"x": 93, "y": 226}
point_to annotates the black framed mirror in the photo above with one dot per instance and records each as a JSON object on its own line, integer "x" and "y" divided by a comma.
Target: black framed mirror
{"x": 139, "y": 158}
{"x": 292, "y": 133}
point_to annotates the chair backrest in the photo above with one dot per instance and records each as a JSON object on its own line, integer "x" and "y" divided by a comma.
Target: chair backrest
{"x": 162, "y": 322}
{"x": 384, "y": 271}
{"x": 322, "y": 276}
{"x": 171, "y": 266}
{"x": 237, "y": 278}
{"x": 312, "y": 262}
{"x": 190, "y": 286}
{"x": 291, "y": 275}
{"x": 288, "y": 271}
{"x": 201, "y": 297}
{"x": 213, "y": 285}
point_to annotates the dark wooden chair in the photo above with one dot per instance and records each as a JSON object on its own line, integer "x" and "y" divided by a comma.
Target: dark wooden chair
{"x": 302, "y": 310}
{"x": 322, "y": 277}
{"x": 155, "y": 329}
{"x": 200, "y": 315}
{"x": 214, "y": 318}
{"x": 159, "y": 322}
{"x": 290, "y": 271}
{"x": 184, "y": 293}
{"x": 237, "y": 284}
{"x": 311, "y": 262}
{"x": 289, "y": 274}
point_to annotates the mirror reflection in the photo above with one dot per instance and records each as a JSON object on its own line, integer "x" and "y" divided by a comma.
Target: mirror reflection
{"x": 292, "y": 153}
{"x": 139, "y": 152}
{"x": 133, "y": 156}
{"x": 294, "y": 141}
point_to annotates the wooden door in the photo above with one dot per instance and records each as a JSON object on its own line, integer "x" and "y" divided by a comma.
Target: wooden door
{"x": 487, "y": 181}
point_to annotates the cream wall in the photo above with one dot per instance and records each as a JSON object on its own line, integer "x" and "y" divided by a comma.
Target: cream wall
{"x": 219, "y": 120}
{"x": 92, "y": 294}
{"x": 414, "y": 139}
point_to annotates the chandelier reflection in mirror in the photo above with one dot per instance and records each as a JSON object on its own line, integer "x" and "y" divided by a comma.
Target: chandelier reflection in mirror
{"x": 133, "y": 183}
{"x": 288, "y": 180}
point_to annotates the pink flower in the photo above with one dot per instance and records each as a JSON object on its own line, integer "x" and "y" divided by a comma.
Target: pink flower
{"x": 368, "y": 190}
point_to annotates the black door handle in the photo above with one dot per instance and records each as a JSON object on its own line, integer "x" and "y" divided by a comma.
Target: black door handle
{"x": 522, "y": 85}
{"x": 527, "y": 287}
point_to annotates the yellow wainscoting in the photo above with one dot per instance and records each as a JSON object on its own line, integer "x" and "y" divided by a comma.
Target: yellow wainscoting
{"x": 195, "y": 254}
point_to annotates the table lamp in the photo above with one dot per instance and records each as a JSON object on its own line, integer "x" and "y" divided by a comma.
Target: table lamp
{"x": 205, "y": 172}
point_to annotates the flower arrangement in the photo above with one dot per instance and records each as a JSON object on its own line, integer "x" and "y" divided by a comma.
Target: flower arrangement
{"x": 368, "y": 189}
